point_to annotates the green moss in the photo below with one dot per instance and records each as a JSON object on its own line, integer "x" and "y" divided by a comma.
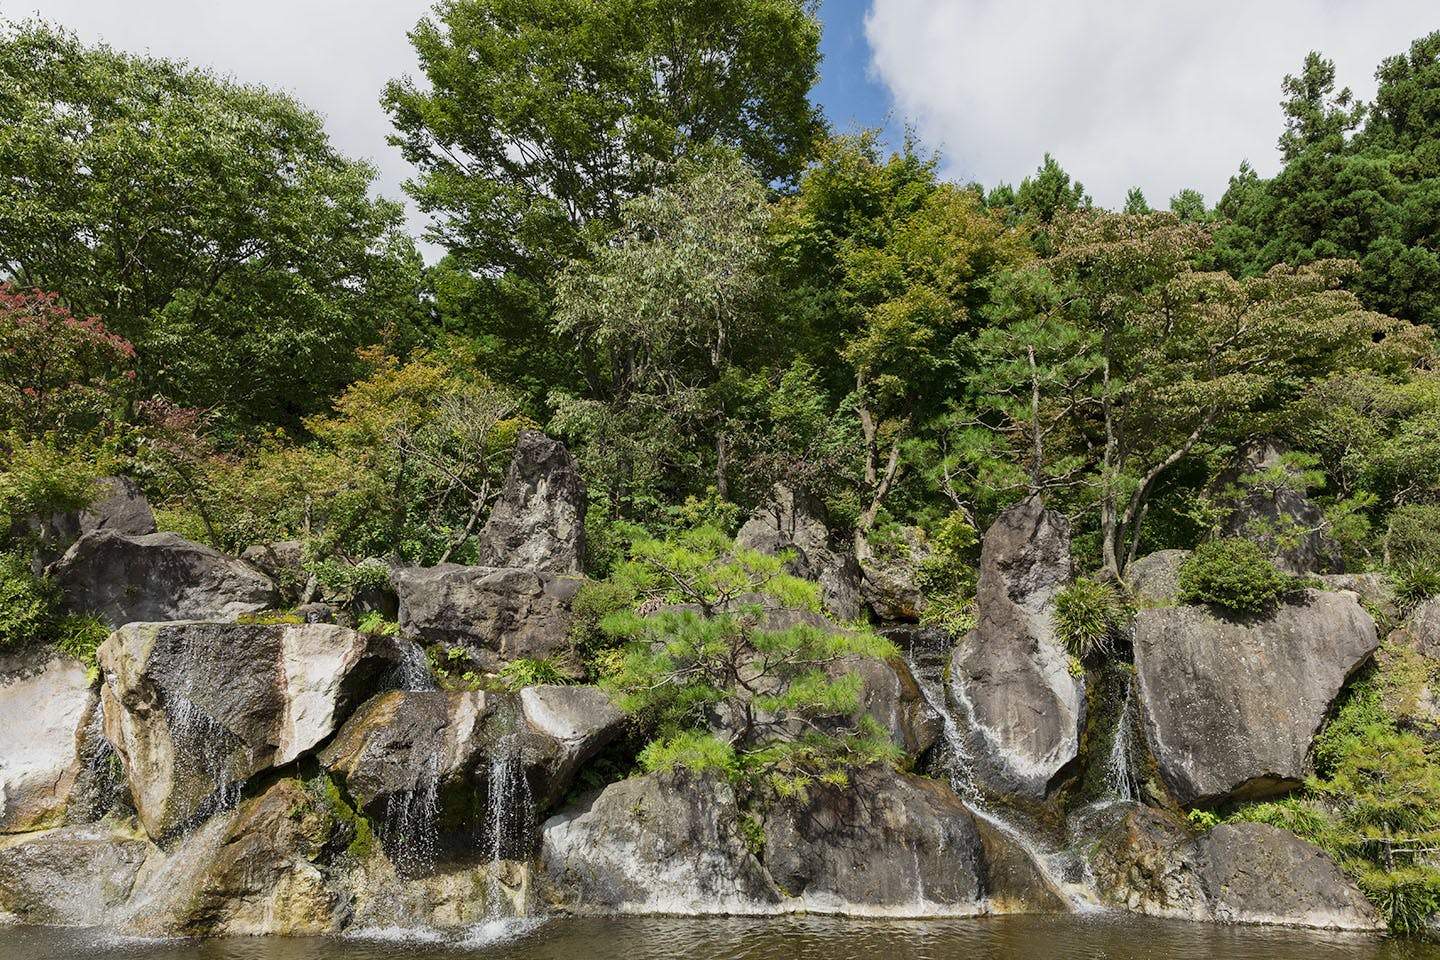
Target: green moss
{"x": 270, "y": 618}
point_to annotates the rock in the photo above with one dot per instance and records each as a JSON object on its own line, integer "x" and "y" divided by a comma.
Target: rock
{"x": 1411, "y": 658}
{"x": 1278, "y": 515}
{"x": 121, "y": 507}
{"x": 890, "y": 583}
{"x": 162, "y": 576}
{"x": 433, "y": 755}
{"x": 496, "y": 615}
{"x": 884, "y": 844}
{"x": 1021, "y": 708}
{"x": 890, "y": 694}
{"x": 792, "y": 521}
{"x": 1374, "y": 590}
{"x": 1154, "y": 579}
{"x": 270, "y": 873}
{"x": 73, "y": 876}
{"x": 195, "y": 709}
{"x": 284, "y": 563}
{"x": 667, "y": 842}
{"x": 1230, "y": 707}
{"x": 44, "y": 709}
{"x": 539, "y": 521}
{"x": 1235, "y": 873}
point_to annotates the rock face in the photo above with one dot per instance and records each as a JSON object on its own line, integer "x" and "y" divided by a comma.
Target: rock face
{"x": 1021, "y": 709}
{"x": 539, "y": 521}
{"x": 435, "y": 754}
{"x": 1231, "y": 706}
{"x": 1236, "y": 873}
{"x": 195, "y": 709}
{"x": 283, "y": 562}
{"x": 885, "y": 844}
{"x": 1154, "y": 579}
{"x": 890, "y": 578}
{"x": 73, "y": 876}
{"x": 791, "y": 521}
{"x": 496, "y": 615}
{"x": 43, "y": 710}
{"x": 1372, "y": 589}
{"x": 1279, "y": 516}
{"x": 667, "y": 842}
{"x": 162, "y": 576}
{"x": 121, "y": 507}
{"x": 890, "y": 693}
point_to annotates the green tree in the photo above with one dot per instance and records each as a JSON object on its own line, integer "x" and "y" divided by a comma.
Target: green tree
{"x": 1316, "y": 117}
{"x": 542, "y": 117}
{"x": 210, "y": 223}
{"x": 1135, "y": 201}
{"x": 1050, "y": 192}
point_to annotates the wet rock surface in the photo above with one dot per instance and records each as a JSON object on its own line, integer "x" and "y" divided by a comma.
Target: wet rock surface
{"x": 162, "y": 576}
{"x": 72, "y": 876}
{"x": 195, "y": 709}
{"x": 1021, "y": 708}
{"x": 1231, "y": 705}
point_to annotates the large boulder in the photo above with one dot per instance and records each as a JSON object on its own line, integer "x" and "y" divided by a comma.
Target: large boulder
{"x": 1236, "y": 873}
{"x": 792, "y": 522}
{"x": 1154, "y": 579}
{"x": 539, "y": 521}
{"x": 1374, "y": 590}
{"x": 890, "y": 574}
{"x": 119, "y": 507}
{"x": 894, "y": 844}
{"x": 196, "y": 709}
{"x": 1277, "y": 513}
{"x": 72, "y": 876}
{"x": 1231, "y": 706}
{"x": 667, "y": 842}
{"x": 495, "y": 614}
{"x": 161, "y": 576}
{"x": 438, "y": 770}
{"x": 44, "y": 708}
{"x": 1021, "y": 708}
{"x": 284, "y": 563}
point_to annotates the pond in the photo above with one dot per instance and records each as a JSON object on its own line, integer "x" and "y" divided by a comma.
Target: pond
{"x": 1091, "y": 937}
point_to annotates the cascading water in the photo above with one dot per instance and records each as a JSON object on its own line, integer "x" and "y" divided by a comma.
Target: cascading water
{"x": 508, "y": 821}
{"x": 413, "y": 671}
{"x": 1120, "y": 779}
{"x": 410, "y": 831}
{"x": 101, "y": 774}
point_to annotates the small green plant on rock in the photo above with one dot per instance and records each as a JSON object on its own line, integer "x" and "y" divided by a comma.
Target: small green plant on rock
{"x": 1091, "y": 616}
{"x": 1235, "y": 575}
{"x": 531, "y": 672}
{"x": 1414, "y": 584}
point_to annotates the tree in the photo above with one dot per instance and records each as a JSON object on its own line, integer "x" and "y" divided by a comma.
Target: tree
{"x": 542, "y": 117}
{"x": 1316, "y": 117}
{"x": 661, "y": 309}
{"x": 210, "y": 223}
{"x": 1135, "y": 201}
{"x": 1049, "y": 192}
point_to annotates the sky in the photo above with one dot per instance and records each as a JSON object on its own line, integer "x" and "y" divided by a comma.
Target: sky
{"x": 1152, "y": 93}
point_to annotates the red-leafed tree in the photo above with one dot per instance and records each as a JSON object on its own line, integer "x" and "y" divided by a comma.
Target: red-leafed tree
{"x": 59, "y": 374}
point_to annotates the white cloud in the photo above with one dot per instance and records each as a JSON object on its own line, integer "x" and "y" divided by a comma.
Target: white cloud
{"x": 335, "y": 56}
{"x": 1159, "y": 94}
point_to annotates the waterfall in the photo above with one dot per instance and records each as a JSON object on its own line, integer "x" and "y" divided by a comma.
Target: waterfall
{"x": 410, "y": 831}
{"x": 1120, "y": 779}
{"x": 413, "y": 671}
{"x": 508, "y": 820}
{"x": 102, "y": 779}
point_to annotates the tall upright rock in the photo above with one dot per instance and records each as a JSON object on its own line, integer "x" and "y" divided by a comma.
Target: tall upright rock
{"x": 539, "y": 521}
{"x": 791, "y": 522}
{"x": 1022, "y": 709}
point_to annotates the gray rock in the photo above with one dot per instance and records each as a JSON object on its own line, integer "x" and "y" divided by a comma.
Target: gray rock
{"x": 667, "y": 842}
{"x": 73, "y": 876}
{"x": 44, "y": 708}
{"x": 1154, "y": 579}
{"x": 1021, "y": 709}
{"x": 121, "y": 507}
{"x": 283, "y": 562}
{"x": 884, "y": 844}
{"x": 1231, "y": 706}
{"x": 162, "y": 576}
{"x": 497, "y": 615}
{"x": 1236, "y": 873}
{"x": 890, "y": 583}
{"x": 793, "y": 522}
{"x": 195, "y": 709}
{"x": 1286, "y": 522}
{"x": 1372, "y": 589}
{"x": 539, "y": 521}
{"x": 890, "y": 693}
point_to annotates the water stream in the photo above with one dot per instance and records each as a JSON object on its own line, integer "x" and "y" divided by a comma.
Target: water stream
{"x": 1121, "y": 781}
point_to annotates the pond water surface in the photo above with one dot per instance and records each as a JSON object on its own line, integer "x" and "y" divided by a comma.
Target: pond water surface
{"x": 1096, "y": 937}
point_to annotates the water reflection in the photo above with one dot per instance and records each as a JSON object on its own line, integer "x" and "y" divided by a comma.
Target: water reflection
{"x": 1002, "y": 938}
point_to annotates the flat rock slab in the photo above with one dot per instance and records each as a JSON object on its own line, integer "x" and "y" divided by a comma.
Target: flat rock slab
{"x": 1231, "y": 706}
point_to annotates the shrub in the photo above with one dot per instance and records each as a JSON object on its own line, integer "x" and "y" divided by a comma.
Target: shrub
{"x": 1413, "y": 534}
{"x": 80, "y": 637}
{"x": 527, "y": 672}
{"x": 27, "y": 604}
{"x": 1091, "y": 616}
{"x": 693, "y": 750}
{"x": 1414, "y": 584}
{"x": 1234, "y": 574}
